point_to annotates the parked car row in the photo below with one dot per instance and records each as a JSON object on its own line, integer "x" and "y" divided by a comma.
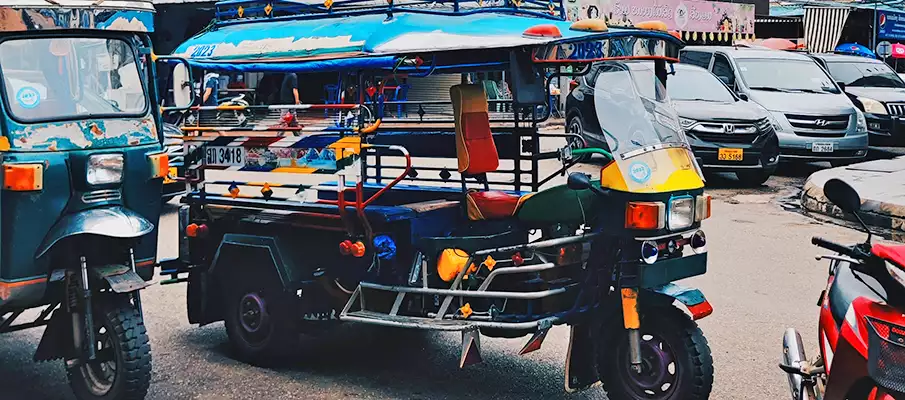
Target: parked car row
{"x": 743, "y": 109}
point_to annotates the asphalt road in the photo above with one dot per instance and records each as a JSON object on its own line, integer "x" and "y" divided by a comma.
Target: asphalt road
{"x": 762, "y": 278}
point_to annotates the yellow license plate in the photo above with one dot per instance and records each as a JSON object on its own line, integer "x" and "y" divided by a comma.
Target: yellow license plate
{"x": 170, "y": 175}
{"x": 730, "y": 155}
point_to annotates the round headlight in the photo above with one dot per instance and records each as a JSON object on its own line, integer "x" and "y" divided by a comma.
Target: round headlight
{"x": 649, "y": 252}
{"x": 698, "y": 242}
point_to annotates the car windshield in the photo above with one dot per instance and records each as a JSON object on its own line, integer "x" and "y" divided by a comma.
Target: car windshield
{"x": 865, "y": 74}
{"x": 784, "y": 75}
{"x": 691, "y": 83}
{"x": 71, "y": 78}
{"x": 634, "y": 110}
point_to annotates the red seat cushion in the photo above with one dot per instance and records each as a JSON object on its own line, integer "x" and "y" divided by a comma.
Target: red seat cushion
{"x": 491, "y": 204}
{"x": 892, "y": 253}
{"x": 475, "y": 148}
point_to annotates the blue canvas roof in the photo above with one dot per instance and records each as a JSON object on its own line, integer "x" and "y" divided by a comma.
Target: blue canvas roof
{"x": 378, "y": 38}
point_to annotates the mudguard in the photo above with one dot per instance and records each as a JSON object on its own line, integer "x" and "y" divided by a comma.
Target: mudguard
{"x": 114, "y": 222}
{"x": 692, "y": 298}
{"x": 121, "y": 278}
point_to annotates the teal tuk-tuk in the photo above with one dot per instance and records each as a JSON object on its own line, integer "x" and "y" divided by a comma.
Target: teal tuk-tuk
{"x": 442, "y": 214}
{"x": 82, "y": 167}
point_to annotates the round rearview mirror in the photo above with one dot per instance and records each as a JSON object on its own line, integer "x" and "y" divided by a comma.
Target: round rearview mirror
{"x": 842, "y": 195}
{"x": 182, "y": 86}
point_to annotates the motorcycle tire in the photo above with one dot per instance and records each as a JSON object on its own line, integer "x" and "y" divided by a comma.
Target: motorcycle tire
{"x": 121, "y": 343}
{"x": 668, "y": 337}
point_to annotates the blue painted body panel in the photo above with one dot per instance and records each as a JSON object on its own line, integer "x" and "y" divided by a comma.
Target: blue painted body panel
{"x": 685, "y": 295}
{"x": 99, "y": 17}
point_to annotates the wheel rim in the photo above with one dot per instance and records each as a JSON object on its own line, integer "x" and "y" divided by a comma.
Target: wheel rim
{"x": 574, "y": 126}
{"x": 252, "y": 313}
{"x": 659, "y": 371}
{"x": 100, "y": 374}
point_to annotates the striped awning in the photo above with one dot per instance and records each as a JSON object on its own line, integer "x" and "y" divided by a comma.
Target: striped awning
{"x": 823, "y": 27}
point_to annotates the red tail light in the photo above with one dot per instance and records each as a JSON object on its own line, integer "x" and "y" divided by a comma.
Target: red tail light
{"x": 573, "y": 84}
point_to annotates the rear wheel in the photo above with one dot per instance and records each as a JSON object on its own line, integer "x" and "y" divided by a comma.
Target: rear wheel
{"x": 676, "y": 360}
{"x": 121, "y": 369}
{"x": 259, "y": 320}
{"x": 575, "y": 126}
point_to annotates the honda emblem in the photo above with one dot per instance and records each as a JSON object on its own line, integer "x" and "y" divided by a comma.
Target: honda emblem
{"x": 728, "y": 128}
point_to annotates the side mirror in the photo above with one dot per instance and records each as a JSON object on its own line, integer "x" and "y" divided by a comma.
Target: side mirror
{"x": 743, "y": 96}
{"x": 183, "y": 90}
{"x": 841, "y": 85}
{"x": 841, "y": 194}
{"x": 578, "y": 181}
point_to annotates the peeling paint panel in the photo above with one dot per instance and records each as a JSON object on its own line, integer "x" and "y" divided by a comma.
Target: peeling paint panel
{"x": 18, "y": 19}
{"x": 80, "y": 135}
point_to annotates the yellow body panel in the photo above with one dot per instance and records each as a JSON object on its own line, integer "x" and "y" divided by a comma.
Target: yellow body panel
{"x": 658, "y": 171}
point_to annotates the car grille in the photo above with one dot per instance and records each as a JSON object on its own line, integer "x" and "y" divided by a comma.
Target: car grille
{"x": 98, "y": 196}
{"x": 729, "y": 132}
{"x": 819, "y": 126}
{"x": 896, "y": 108}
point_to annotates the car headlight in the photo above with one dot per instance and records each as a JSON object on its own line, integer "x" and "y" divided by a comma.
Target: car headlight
{"x": 861, "y": 122}
{"x": 680, "y": 213}
{"x": 105, "y": 169}
{"x": 687, "y": 123}
{"x": 872, "y": 106}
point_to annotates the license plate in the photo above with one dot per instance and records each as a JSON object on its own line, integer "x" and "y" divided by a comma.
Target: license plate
{"x": 730, "y": 155}
{"x": 225, "y": 155}
{"x": 171, "y": 174}
{"x": 822, "y": 147}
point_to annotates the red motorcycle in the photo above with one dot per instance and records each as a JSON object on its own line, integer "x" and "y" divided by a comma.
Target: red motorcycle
{"x": 862, "y": 320}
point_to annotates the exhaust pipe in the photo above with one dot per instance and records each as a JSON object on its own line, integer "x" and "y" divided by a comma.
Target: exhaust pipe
{"x": 793, "y": 355}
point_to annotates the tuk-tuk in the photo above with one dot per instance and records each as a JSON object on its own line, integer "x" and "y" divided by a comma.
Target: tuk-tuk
{"x": 437, "y": 214}
{"x": 82, "y": 169}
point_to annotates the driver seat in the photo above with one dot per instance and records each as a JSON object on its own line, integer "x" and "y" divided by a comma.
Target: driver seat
{"x": 477, "y": 155}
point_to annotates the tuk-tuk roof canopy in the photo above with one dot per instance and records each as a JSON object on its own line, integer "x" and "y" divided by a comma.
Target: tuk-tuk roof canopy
{"x": 374, "y": 40}
{"x": 112, "y": 15}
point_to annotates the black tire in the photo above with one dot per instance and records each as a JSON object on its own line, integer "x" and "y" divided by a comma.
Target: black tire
{"x": 575, "y": 125}
{"x": 668, "y": 328}
{"x": 120, "y": 328}
{"x": 753, "y": 178}
{"x": 269, "y": 337}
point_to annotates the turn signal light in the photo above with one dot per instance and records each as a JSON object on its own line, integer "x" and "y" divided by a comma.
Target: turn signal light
{"x": 543, "y": 31}
{"x": 702, "y": 207}
{"x": 196, "y": 230}
{"x": 358, "y": 249}
{"x": 23, "y": 177}
{"x": 345, "y": 247}
{"x": 645, "y": 215}
{"x": 160, "y": 165}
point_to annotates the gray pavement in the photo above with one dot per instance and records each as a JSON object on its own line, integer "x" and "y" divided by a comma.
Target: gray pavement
{"x": 762, "y": 278}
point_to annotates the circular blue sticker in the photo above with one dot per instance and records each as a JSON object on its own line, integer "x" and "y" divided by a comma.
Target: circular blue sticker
{"x": 28, "y": 97}
{"x": 639, "y": 172}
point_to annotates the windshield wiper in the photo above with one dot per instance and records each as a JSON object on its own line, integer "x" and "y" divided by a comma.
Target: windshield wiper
{"x": 770, "y": 89}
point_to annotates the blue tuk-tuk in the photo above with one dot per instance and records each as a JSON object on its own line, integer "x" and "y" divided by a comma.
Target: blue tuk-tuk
{"x": 438, "y": 213}
{"x": 82, "y": 167}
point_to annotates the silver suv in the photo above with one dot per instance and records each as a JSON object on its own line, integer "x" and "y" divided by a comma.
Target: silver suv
{"x": 814, "y": 120}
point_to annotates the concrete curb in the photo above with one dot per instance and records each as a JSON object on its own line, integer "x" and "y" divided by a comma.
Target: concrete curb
{"x": 880, "y": 183}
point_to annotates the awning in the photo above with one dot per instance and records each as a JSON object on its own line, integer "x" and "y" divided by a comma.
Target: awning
{"x": 823, "y": 27}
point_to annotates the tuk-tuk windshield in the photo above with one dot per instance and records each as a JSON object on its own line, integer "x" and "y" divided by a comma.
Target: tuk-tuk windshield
{"x": 71, "y": 78}
{"x": 634, "y": 110}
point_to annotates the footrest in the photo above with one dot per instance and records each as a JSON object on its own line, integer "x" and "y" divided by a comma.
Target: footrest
{"x": 370, "y": 317}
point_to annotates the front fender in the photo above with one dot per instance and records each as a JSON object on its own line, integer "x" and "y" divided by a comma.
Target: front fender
{"x": 114, "y": 222}
{"x": 692, "y": 298}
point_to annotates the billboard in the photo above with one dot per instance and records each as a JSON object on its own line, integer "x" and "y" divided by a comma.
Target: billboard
{"x": 680, "y": 15}
{"x": 890, "y": 25}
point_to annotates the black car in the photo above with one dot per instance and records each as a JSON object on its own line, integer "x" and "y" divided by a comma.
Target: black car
{"x": 874, "y": 88}
{"x": 727, "y": 134}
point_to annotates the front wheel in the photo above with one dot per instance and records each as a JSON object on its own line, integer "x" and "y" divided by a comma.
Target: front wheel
{"x": 676, "y": 363}
{"x": 121, "y": 369}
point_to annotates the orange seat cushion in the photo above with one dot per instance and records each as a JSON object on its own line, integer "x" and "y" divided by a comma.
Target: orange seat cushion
{"x": 489, "y": 205}
{"x": 475, "y": 148}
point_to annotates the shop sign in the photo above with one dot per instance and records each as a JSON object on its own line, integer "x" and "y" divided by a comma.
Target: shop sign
{"x": 679, "y": 15}
{"x": 890, "y": 25}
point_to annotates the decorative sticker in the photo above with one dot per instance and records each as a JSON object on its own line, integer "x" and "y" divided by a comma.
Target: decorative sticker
{"x": 28, "y": 97}
{"x": 639, "y": 172}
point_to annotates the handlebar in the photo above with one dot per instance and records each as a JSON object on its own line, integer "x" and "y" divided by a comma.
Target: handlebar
{"x": 832, "y": 246}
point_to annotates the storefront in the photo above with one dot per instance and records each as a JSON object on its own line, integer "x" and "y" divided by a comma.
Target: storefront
{"x": 698, "y": 21}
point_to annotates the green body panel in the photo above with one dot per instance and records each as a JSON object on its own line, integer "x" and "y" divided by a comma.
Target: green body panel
{"x": 559, "y": 204}
{"x": 666, "y": 271}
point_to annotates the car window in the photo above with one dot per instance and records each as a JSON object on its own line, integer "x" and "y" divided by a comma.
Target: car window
{"x": 723, "y": 70}
{"x": 698, "y": 84}
{"x": 785, "y": 75}
{"x": 865, "y": 74}
{"x": 698, "y": 58}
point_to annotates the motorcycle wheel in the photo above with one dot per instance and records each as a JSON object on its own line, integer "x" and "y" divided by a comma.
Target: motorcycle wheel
{"x": 121, "y": 369}
{"x": 676, "y": 363}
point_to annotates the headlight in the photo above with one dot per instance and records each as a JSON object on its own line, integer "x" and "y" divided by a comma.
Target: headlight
{"x": 872, "y": 106}
{"x": 861, "y": 122}
{"x": 687, "y": 123}
{"x": 780, "y": 123}
{"x": 104, "y": 169}
{"x": 896, "y": 273}
{"x": 681, "y": 213}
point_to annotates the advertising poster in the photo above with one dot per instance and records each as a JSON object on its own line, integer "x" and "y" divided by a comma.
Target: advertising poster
{"x": 679, "y": 15}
